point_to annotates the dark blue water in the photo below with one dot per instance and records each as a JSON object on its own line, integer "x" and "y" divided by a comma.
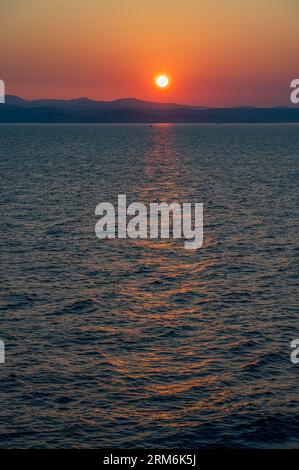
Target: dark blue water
{"x": 141, "y": 343}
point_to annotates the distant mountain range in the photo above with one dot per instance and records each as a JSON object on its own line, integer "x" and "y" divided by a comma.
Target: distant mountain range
{"x": 131, "y": 110}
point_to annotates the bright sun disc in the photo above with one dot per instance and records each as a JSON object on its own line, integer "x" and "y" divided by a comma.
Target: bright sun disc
{"x": 162, "y": 81}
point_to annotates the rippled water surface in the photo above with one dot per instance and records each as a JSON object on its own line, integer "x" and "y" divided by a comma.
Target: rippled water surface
{"x": 133, "y": 343}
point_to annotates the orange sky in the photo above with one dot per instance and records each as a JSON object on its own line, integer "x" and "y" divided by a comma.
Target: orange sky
{"x": 217, "y": 52}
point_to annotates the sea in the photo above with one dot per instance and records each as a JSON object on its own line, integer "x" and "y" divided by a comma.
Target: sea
{"x": 141, "y": 343}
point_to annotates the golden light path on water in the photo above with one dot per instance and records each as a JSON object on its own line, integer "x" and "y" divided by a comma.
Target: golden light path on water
{"x": 169, "y": 272}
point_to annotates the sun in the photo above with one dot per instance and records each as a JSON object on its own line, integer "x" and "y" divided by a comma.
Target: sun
{"x": 162, "y": 81}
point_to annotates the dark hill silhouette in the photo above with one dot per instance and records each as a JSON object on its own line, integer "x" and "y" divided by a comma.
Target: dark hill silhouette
{"x": 131, "y": 110}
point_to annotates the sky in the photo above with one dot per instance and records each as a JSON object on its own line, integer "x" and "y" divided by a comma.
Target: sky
{"x": 216, "y": 52}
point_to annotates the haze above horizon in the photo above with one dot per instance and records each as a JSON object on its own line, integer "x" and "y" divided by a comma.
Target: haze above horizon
{"x": 219, "y": 54}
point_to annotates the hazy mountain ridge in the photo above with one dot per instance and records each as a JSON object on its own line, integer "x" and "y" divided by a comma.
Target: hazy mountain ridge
{"x": 87, "y": 103}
